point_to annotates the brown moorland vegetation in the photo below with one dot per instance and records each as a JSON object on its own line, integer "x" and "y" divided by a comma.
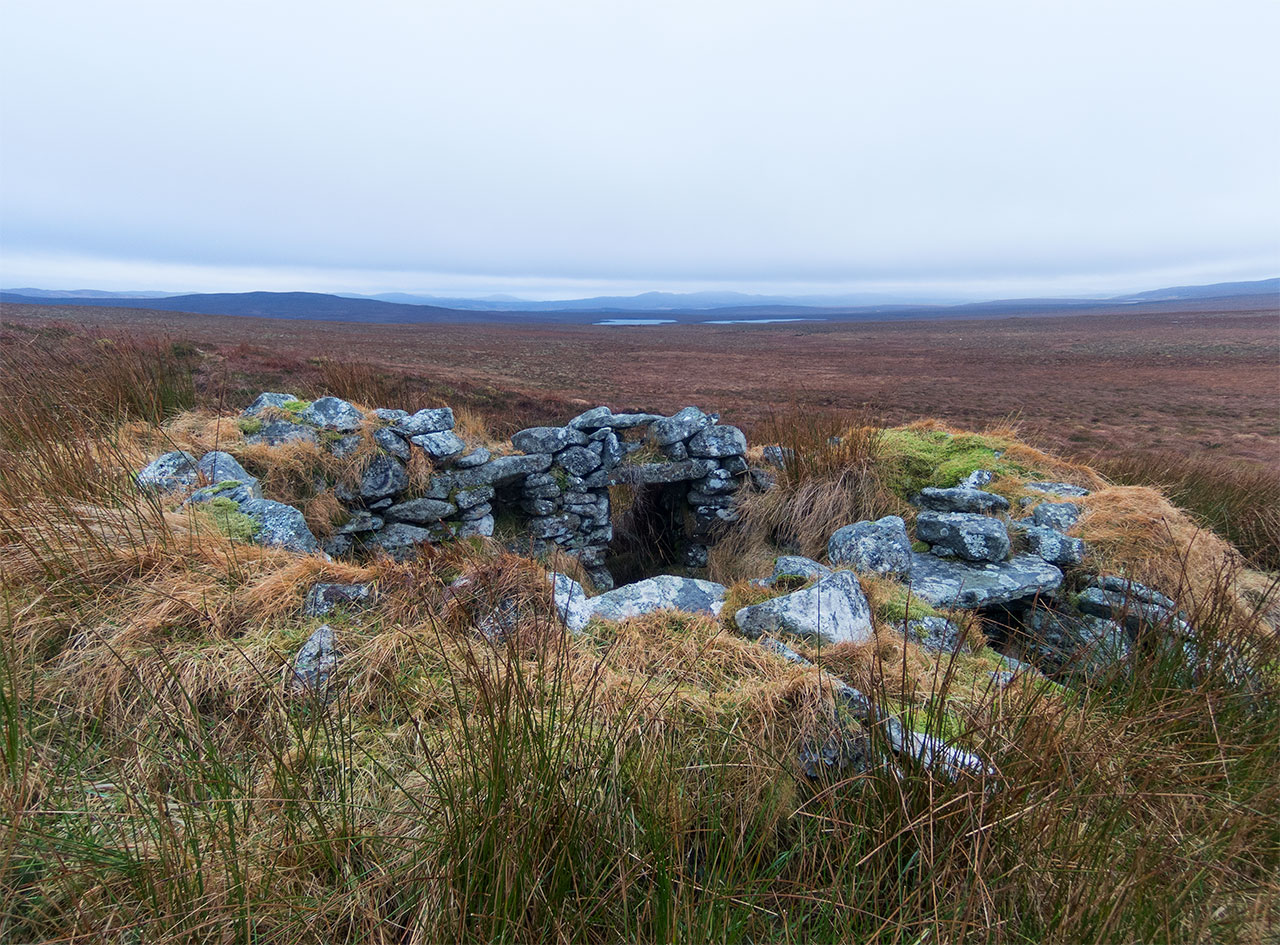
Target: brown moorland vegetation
{"x": 639, "y": 782}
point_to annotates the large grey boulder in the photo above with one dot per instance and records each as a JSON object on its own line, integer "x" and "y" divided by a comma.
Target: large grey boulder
{"x": 324, "y": 598}
{"x": 680, "y": 426}
{"x": 1052, "y": 545}
{"x": 573, "y": 607}
{"x": 314, "y": 663}
{"x": 268, "y": 399}
{"x": 168, "y": 473}
{"x": 332, "y": 413}
{"x": 718, "y": 441}
{"x": 1058, "y": 515}
{"x": 547, "y": 439}
{"x": 834, "y": 610}
{"x": 442, "y": 445}
{"x": 943, "y": 582}
{"x": 962, "y": 499}
{"x": 431, "y": 420}
{"x": 420, "y": 511}
{"x": 879, "y": 547}
{"x": 280, "y": 526}
{"x": 665, "y": 592}
{"x": 383, "y": 478}
{"x": 969, "y": 536}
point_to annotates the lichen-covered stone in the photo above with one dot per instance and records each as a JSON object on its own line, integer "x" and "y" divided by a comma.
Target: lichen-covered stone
{"x": 969, "y": 536}
{"x": 664, "y": 592}
{"x": 315, "y": 663}
{"x": 383, "y": 477}
{"x": 718, "y": 441}
{"x": 879, "y": 547}
{"x": 170, "y": 472}
{"x": 280, "y": 526}
{"x": 324, "y": 598}
{"x": 442, "y": 445}
{"x": 573, "y": 607}
{"x": 1058, "y": 515}
{"x": 547, "y": 439}
{"x": 420, "y": 511}
{"x": 834, "y": 610}
{"x": 944, "y": 582}
{"x": 430, "y": 420}
{"x": 962, "y": 499}
{"x": 679, "y": 427}
{"x": 332, "y": 413}
{"x": 1052, "y": 545}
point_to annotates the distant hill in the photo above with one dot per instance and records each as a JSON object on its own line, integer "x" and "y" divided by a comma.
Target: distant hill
{"x": 83, "y": 294}
{"x": 697, "y": 307}
{"x": 1218, "y": 290}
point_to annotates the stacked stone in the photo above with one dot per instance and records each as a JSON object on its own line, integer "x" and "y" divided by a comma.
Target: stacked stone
{"x": 560, "y": 480}
{"x": 712, "y": 457}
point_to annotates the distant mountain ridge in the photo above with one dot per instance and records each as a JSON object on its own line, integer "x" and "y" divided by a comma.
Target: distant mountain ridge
{"x": 697, "y": 307}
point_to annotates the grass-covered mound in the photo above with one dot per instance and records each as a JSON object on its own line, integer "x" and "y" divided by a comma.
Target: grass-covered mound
{"x": 162, "y": 782}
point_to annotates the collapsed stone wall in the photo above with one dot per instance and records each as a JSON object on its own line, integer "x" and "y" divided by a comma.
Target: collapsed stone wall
{"x": 552, "y": 488}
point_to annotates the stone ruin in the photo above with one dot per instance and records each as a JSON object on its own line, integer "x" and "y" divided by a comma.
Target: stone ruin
{"x": 552, "y": 489}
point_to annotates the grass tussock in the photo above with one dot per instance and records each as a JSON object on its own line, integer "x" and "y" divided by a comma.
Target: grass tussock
{"x": 1240, "y": 501}
{"x": 831, "y": 473}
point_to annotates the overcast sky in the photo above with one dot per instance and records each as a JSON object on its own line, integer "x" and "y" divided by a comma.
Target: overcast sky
{"x": 571, "y": 148}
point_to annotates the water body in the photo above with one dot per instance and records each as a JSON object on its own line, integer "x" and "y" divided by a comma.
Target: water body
{"x": 758, "y": 321}
{"x": 636, "y": 321}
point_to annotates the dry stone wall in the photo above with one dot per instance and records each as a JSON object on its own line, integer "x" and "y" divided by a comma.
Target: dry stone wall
{"x": 551, "y": 488}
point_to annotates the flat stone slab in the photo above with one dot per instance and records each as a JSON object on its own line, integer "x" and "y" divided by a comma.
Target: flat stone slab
{"x": 665, "y": 592}
{"x": 953, "y": 583}
{"x": 833, "y": 611}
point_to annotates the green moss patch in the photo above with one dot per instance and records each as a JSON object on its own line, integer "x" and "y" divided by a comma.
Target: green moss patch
{"x": 249, "y": 425}
{"x": 230, "y": 520}
{"x": 916, "y": 459}
{"x": 897, "y": 607}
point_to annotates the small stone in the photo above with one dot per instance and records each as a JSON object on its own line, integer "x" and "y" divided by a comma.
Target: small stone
{"x": 323, "y": 598}
{"x": 577, "y": 460}
{"x": 266, "y": 400}
{"x": 547, "y": 439}
{"x": 477, "y": 457}
{"x": 392, "y": 442}
{"x": 360, "y": 521}
{"x": 279, "y": 432}
{"x": 1059, "y": 515}
{"x": 1063, "y": 489}
{"x": 420, "y": 511}
{"x": 431, "y": 420}
{"x": 439, "y": 445}
{"x": 390, "y": 415}
{"x": 314, "y": 663}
